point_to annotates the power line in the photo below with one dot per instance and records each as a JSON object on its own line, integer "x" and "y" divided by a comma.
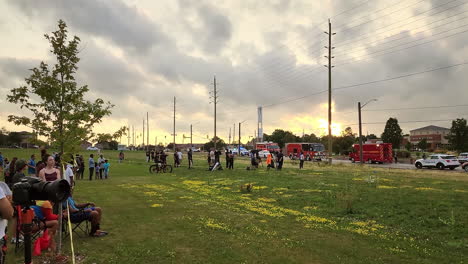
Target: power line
{"x": 416, "y": 108}
{"x": 401, "y": 76}
{"x": 405, "y": 37}
{"x": 398, "y": 10}
{"x": 376, "y": 31}
{"x": 367, "y": 83}
{"x": 344, "y": 62}
{"x": 406, "y": 122}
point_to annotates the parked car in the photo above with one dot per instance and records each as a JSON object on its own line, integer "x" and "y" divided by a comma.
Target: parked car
{"x": 263, "y": 153}
{"x": 465, "y": 166}
{"x": 92, "y": 148}
{"x": 195, "y": 149}
{"x": 463, "y": 157}
{"x": 243, "y": 151}
{"x": 440, "y": 161}
{"x": 15, "y": 147}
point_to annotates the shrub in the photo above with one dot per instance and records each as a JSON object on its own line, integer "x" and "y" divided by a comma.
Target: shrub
{"x": 403, "y": 154}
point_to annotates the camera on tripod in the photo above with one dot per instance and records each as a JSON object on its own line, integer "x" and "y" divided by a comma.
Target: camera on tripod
{"x": 30, "y": 189}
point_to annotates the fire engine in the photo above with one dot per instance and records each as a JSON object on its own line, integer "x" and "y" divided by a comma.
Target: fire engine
{"x": 312, "y": 151}
{"x": 373, "y": 153}
{"x": 270, "y": 146}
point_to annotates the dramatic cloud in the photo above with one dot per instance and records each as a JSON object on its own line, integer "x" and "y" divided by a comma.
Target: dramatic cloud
{"x": 139, "y": 54}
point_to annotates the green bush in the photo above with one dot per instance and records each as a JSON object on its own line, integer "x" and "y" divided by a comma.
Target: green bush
{"x": 403, "y": 154}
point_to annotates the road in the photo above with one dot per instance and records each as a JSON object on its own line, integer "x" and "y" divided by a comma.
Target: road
{"x": 404, "y": 166}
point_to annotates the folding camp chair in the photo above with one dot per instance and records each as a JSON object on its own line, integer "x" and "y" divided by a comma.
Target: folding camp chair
{"x": 79, "y": 228}
{"x": 36, "y": 221}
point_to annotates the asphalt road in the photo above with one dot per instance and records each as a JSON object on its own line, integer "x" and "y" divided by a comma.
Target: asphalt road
{"x": 404, "y": 166}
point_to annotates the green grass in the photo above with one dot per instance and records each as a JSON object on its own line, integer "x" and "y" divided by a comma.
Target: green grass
{"x": 322, "y": 214}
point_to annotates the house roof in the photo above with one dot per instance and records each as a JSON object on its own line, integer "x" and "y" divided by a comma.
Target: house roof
{"x": 430, "y": 128}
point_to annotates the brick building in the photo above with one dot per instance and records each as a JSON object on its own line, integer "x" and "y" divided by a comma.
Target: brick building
{"x": 434, "y": 135}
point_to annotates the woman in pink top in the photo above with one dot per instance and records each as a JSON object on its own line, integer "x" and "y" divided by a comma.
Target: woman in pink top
{"x": 49, "y": 173}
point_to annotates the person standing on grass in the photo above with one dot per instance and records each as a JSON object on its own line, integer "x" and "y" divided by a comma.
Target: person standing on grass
{"x": 50, "y": 173}
{"x": 227, "y": 158}
{"x": 147, "y": 155}
{"x": 190, "y": 158}
{"x": 32, "y": 166}
{"x": 101, "y": 162}
{"x": 69, "y": 174}
{"x": 231, "y": 160}
{"x": 1, "y": 160}
{"x": 121, "y": 157}
{"x": 301, "y": 160}
{"x": 91, "y": 165}
{"x": 280, "y": 159}
{"x": 106, "y": 169}
{"x": 179, "y": 157}
{"x": 176, "y": 157}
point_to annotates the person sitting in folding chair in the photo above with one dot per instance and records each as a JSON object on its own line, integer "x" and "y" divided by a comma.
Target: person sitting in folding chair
{"x": 81, "y": 212}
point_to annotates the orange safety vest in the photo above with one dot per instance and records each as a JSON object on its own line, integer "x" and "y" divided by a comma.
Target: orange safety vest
{"x": 268, "y": 161}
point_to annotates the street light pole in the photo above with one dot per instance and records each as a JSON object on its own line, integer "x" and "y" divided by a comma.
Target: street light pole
{"x": 361, "y": 160}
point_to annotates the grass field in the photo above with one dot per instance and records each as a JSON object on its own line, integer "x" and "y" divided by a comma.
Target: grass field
{"x": 322, "y": 214}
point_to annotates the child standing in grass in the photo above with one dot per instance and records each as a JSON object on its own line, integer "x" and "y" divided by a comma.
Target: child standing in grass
{"x": 106, "y": 169}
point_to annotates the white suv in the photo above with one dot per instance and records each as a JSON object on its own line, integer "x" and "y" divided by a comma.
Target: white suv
{"x": 440, "y": 161}
{"x": 463, "y": 157}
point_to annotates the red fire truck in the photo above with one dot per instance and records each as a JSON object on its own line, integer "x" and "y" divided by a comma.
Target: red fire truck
{"x": 270, "y": 146}
{"x": 312, "y": 151}
{"x": 373, "y": 153}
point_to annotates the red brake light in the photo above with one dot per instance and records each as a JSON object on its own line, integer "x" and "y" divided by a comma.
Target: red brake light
{"x": 448, "y": 160}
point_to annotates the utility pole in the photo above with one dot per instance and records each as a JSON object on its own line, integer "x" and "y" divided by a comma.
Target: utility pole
{"x": 128, "y": 136}
{"x": 239, "y": 143}
{"x": 360, "y": 128}
{"x": 134, "y": 141}
{"x": 229, "y": 136}
{"x": 147, "y": 130}
{"x": 173, "y": 131}
{"x": 360, "y": 134}
{"x": 191, "y": 136}
{"x": 215, "y": 101}
{"x": 143, "y": 134}
{"x": 330, "y": 47}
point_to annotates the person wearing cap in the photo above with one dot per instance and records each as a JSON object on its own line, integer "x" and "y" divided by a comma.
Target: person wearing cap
{"x": 20, "y": 169}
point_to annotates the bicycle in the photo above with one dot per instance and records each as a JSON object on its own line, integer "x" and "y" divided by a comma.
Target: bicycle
{"x": 160, "y": 167}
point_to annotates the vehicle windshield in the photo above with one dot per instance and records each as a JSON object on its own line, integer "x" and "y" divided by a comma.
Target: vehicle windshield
{"x": 319, "y": 147}
{"x": 448, "y": 157}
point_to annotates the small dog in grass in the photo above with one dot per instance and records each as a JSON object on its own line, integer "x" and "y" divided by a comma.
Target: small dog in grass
{"x": 246, "y": 187}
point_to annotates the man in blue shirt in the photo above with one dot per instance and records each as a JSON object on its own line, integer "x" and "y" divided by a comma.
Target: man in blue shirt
{"x": 82, "y": 212}
{"x": 32, "y": 166}
{"x": 1, "y": 160}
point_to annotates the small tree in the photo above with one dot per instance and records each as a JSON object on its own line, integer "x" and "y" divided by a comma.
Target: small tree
{"x": 408, "y": 146}
{"x": 220, "y": 144}
{"x": 458, "y": 136}
{"x": 57, "y": 105}
{"x": 392, "y": 133}
{"x": 422, "y": 144}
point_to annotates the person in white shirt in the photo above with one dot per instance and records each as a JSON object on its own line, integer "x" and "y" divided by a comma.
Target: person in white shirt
{"x": 69, "y": 174}
{"x": 301, "y": 160}
{"x": 6, "y": 212}
{"x": 179, "y": 156}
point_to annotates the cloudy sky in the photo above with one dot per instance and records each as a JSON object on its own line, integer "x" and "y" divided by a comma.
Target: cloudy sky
{"x": 139, "y": 54}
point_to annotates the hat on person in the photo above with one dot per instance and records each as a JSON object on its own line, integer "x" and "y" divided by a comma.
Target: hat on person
{"x": 20, "y": 164}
